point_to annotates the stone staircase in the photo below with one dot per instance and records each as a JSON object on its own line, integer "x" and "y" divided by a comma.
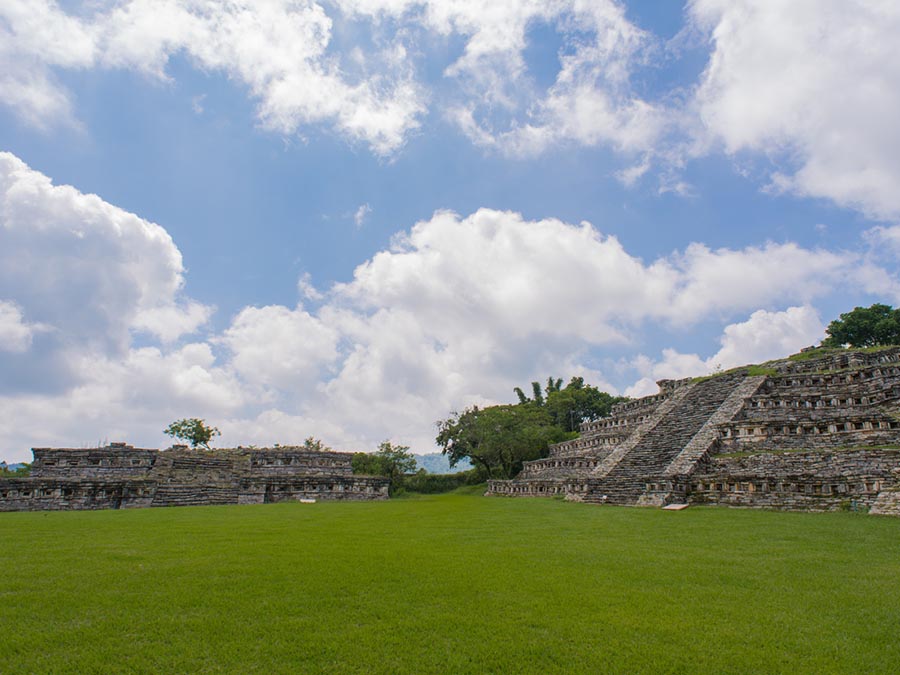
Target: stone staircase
{"x": 195, "y": 479}
{"x": 192, "y": 494}
{"x": 613, "y": 458}
{"x": 623, "y": 479}
{"x": 701, "y": 443}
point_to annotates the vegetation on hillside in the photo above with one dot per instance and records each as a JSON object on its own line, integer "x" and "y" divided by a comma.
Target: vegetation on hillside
{"x": 865, "y": 327}
{"x": 19, "y": 471}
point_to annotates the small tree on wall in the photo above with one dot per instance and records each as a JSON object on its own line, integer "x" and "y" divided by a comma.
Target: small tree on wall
{"x": 194, "y": 431}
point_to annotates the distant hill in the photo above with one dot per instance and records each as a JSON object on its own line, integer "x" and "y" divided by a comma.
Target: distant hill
{"x": 435, "y": 462}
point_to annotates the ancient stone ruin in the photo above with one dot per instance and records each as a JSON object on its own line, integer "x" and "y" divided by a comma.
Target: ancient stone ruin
{"x": 121, "y": 476}
{"x": 820, "y": 433}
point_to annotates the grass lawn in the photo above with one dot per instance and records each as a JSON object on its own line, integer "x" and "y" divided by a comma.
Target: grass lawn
{"x": 448, "y": 584}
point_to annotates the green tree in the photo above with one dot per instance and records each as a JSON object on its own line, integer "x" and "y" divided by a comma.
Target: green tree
{"x": 498, "y": 439}
{"x": 571, "y": 405}
{"x": 579, "y": 402}
{"x": 392, "y": 461}
{"x": 192, "y": 430}
{"x": 865, "y": 327}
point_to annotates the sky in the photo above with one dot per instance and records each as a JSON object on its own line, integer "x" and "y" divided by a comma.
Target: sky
{"x": 348, "y": 219}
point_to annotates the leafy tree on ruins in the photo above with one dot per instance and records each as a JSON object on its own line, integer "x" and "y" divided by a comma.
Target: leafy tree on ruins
{"x": 570, "y": 406}
{"x": 315, "y": 445}
{"x": 865, "y": 327}
{"x": 392, "y": 461}
{"x": 497, "y": 439}
{"x": 192, "y": 430}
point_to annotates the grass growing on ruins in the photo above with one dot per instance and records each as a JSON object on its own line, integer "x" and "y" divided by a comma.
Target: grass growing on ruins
{"x": 448, "y": 584}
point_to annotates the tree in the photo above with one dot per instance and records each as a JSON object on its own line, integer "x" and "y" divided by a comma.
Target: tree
{"x": 570, "y": 406}
{"x": 315, "y": 445}
{"x": 396, "y": 461}
{"x": 865, "y": 327}
{"x": 392, "y": 461}
{"x": 192, "y": 430}
{"x": 498, "y": 439}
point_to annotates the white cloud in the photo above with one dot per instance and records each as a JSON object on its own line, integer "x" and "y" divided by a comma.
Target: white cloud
{"x": 361, "y": 214}
{"x": 284, "y": 52}
{"x": 729, "y": 280}
{"x": 34, "y": 38}
{"x": 590, "y": 102}
{"x": 15, "y": 334}
{"x": 764, "y": 336}
{"x": 87, "y": 269}
{"x": 769, "y": 335}
{"x": 810, "y": 88}
{"x": 281, "y": 348}
{"x": 129, "y": 397}
{"x": 815, "y": 83}
{"x": 276, "y": 48}
{"x": 884, "y": 240}
{"x": 458, "y": 311}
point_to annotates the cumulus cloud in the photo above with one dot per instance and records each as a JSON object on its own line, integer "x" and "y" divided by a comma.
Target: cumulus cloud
{"x": 35, "y": 37}
{"x": 458, "y": 311}
{"x": 284, "y": 52}
{"x": 809, "y": 89}
{"x": 61, "y": 249}
{"x": 815, "y": 85}
{"x": 129, "y": 397}
{"x": 765, "y": 335}
{"x": 280, "y": 348}
{"x": 277, "y": 49}
{"x": 590, "y": 102}
{"x": 15, "y": 334}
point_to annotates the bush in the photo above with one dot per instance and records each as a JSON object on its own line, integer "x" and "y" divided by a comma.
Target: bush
{"x": 435, "y": 483}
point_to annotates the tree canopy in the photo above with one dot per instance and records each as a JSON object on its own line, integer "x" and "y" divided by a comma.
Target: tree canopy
{"x": 498, "y": 439}
{"x": 865, "y": 327}
{"x": 389, "y": 460}
{"x": 193, "y": 430}
{"x": 571, "y": 405}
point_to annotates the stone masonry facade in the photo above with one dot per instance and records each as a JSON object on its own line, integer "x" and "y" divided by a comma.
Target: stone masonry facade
{"x": 820, "y": 433}
{"x": 121, "y": 476}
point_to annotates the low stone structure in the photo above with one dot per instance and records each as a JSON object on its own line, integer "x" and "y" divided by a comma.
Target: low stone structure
{"x": 820, "y": 432}
{"x": 121, "y": 476}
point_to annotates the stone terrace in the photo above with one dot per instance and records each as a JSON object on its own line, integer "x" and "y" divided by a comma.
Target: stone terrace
{"x": 834, "y": 411}
{"x": 120, "y": 476}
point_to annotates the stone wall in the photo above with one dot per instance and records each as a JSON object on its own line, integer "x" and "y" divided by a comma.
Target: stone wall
{"x": 797, "y": 480}
{"x": 117, "y": 460}
{"x": 65, "y": 494}
{"x": 818, "y": 433}
{"x": 120, "y": 476}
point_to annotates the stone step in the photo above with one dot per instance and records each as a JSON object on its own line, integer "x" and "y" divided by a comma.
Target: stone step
{"x": 195, "y": 495}
{"x": 660, "y": 445}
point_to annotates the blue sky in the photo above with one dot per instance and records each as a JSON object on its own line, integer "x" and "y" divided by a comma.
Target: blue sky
{"x": 347, "y": 219}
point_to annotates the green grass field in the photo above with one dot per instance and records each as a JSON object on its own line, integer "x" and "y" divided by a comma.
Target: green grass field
{"x": 448, "y": 584}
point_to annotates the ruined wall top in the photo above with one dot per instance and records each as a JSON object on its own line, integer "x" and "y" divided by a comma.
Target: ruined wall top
{"x": 841, "y": 359}
{"x": 120, "y": 459}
